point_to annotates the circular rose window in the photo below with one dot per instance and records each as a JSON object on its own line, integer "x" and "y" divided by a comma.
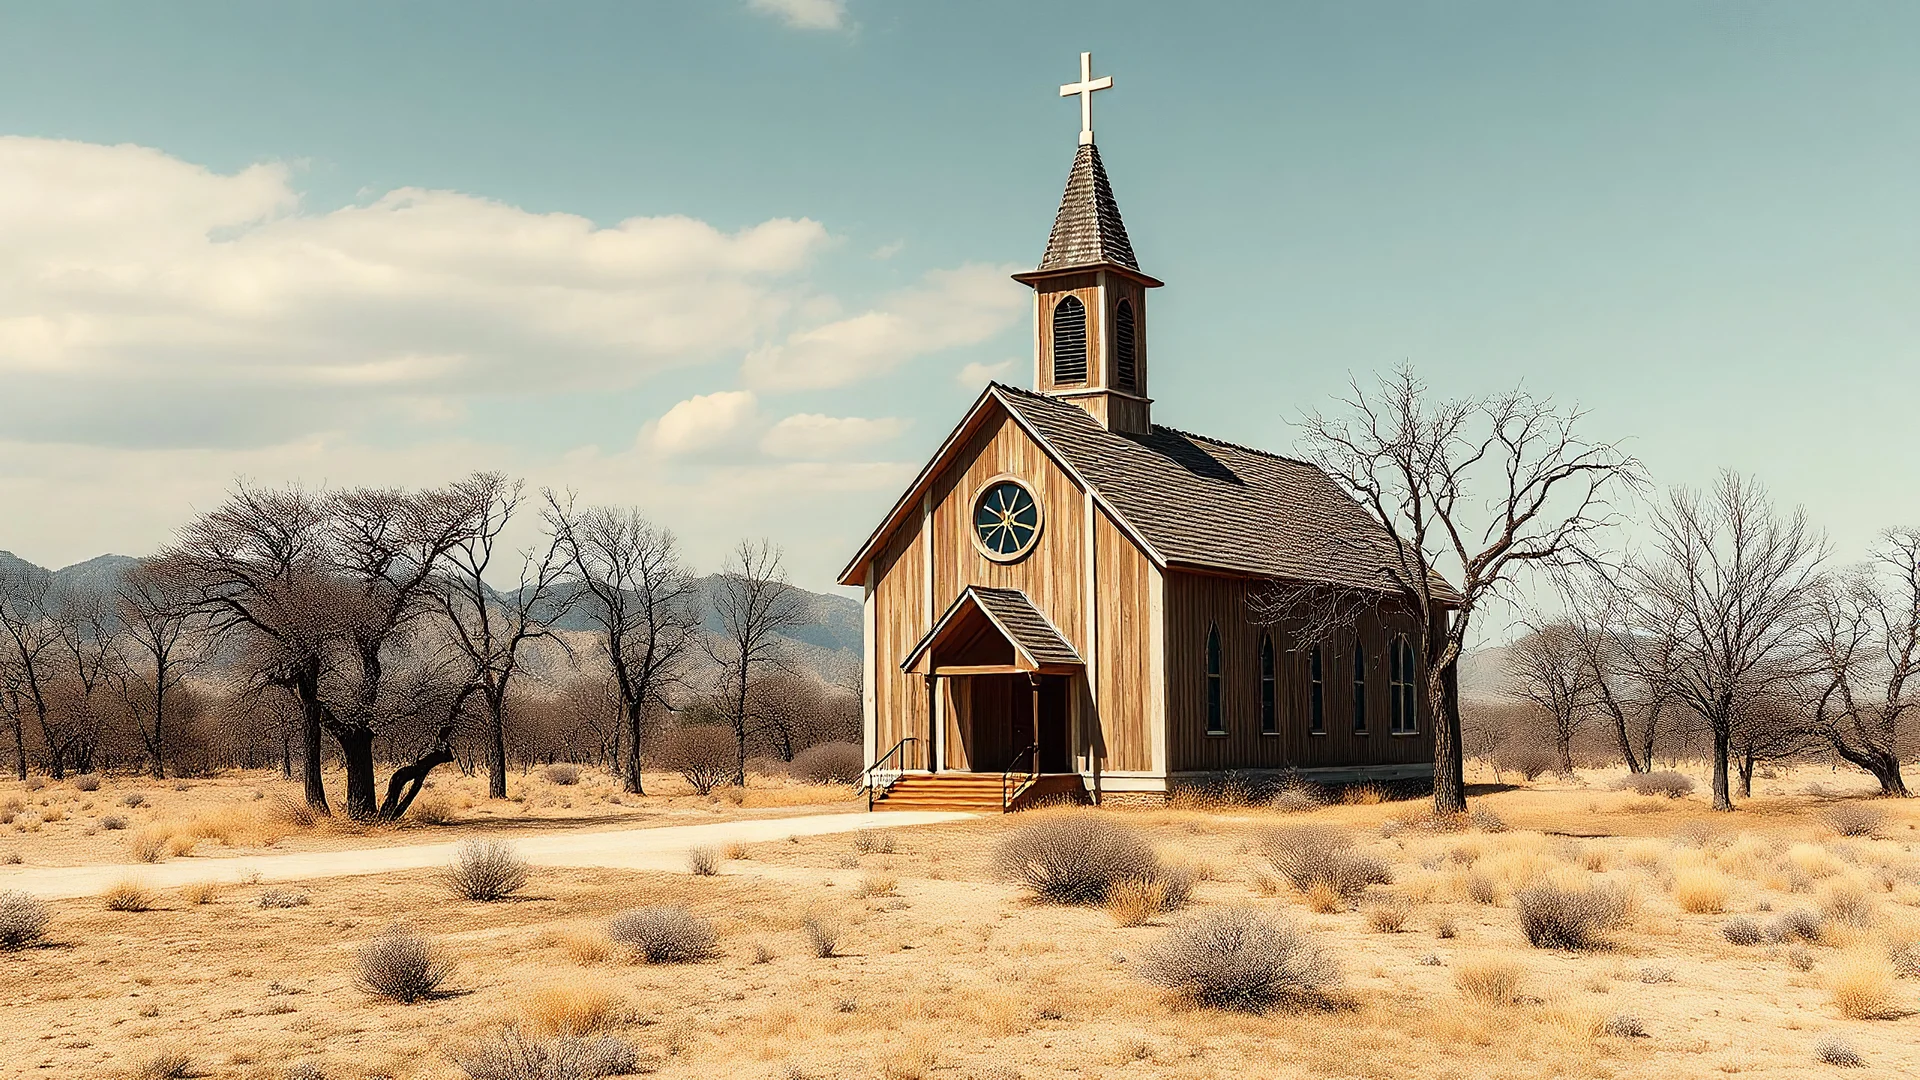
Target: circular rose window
{"x": 1006, "y": 520}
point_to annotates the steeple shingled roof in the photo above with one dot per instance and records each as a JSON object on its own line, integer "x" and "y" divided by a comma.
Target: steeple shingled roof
{"x": 1088, "y": 231}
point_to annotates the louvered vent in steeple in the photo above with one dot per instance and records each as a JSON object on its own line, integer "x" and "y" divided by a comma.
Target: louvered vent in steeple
{"x": 1069, "y": 341}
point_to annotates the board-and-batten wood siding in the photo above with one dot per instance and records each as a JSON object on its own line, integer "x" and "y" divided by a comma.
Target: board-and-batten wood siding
{"x": 1123, "y": 737}
{"x": 899, "y": 601}
{"x": 1195, "y": 602}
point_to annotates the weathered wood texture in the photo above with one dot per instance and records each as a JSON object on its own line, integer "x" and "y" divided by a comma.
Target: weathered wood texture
{"x": 900, "y": 618}
{"x": 1122, "y": 737}
{"x": 1195, "y": 602}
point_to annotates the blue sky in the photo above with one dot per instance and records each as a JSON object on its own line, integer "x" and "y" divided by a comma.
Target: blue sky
{"x": 358, "y": 243}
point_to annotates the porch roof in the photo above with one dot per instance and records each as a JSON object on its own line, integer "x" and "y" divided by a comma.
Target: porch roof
{"x": 1035, "y": 644}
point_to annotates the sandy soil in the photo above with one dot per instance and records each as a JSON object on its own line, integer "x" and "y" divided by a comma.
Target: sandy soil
{"x": 948, "y": 973}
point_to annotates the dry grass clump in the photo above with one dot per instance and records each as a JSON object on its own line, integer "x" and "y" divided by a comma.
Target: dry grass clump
{"x": 303, "y": 1070}
{"x": 434, "y": 808}
{"x": 1854, "y": 818}
{"x": 575, "y": 1010}
{"x": 1075, "y": 856}
{"x": 869, "y": 842}
{"x": 703, "y": 861}
{"x": 1861, "y": 985}
{"x": 1624, "y": 1026}
{"x": 664, "y": 935}
{"x": 1388, "y": 915}
{"x": 128, "y": 896}
{"x": 200, "y": 892}
{"x": 23, "y": 920}
{"x": 166, "y": 1065}
{"x": 509, "y": 1055}
{"x": 874, "y": 883}
{"x": 1670, "y": 785}
{"x": 1241, "y": 958}
{"x": 485, "y": 870}
{"x": 1320, "y": 855}
{"x": 1797, "y": 925}
{"x": 148, "y": 845}
{"x": 1490, "y": 981}
{"x": 823, "y": 936}
{"x": 1845, "y": 903}
{"x": 113, "y": 823}
{"x": 563, "y": 774}
{"x": 1741, "y": 930}
{"x": 86, "y": 782}
{"x": 402, "y": 965}
{"x": 1701, "y": 890}
{"x": 1555, "y": 916}
{"x": 581, "y": 946}
{"x": 283, "y": 898}
{"x": 1834, "y": 1050}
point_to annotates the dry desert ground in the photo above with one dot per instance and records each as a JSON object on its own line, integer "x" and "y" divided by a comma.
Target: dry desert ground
{"x": 1777, "y": 941}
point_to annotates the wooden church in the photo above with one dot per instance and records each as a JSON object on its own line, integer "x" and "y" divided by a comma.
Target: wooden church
{"x": 1059, "y": 604}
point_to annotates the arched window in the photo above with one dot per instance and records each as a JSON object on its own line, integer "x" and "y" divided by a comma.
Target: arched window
{"x": 1216, "y": 719}
{"x": 1070, "y": 341}
{"x": 1405, "y": 698}
{"x": 1316, "y": 693}
{"x": 1359, "y": 689}
{"x": 1124, "y": 366}
{"x": 1269, "y": 699}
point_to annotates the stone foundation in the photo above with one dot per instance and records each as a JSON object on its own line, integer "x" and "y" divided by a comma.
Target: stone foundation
{"x": 1150, "y": 800}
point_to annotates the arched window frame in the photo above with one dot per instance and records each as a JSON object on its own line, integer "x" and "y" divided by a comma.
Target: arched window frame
{"x": 1269, "y": 689}
{"x": 1359, "y": 688}
{"x": 1126, "y": 347}
{"x": 1215, "y": 685}
{"x": 1406, "y": 696}
{"x": 1069, "y": 341}
{"x": 1316, "y": 692}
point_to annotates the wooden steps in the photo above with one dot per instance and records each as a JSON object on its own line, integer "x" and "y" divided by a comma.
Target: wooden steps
{"x": 978, "y": 793}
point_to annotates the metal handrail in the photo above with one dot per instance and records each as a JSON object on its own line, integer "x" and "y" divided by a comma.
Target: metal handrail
{"x": 899, "y": 750}
{"x": 1007, "y": 789}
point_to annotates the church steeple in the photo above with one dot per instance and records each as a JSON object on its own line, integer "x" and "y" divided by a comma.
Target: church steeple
{"x": 1090, "y": 299}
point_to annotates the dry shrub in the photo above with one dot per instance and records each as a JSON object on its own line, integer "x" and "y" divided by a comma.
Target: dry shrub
{"x": 1672, "y": 785}
{"x": 1388, "y": 915}
{"x": 1486, "y": 820}
{"x": 830, "y": 763}
{"x": 1310, "y": 855}
{"x": 664, "y": 935}
{"x": 1322, "y": 899}
{"x": 200, "y": 892}
{"x": 1845, "y": 903}
{"x": 86, "y": 782}
{"x": 1854, "y": 818}
{"x": 1074, "y": 856}
{"x": 703, "y": 861}
{"x": 869, "y": 842}
{"x": 434, "y": 808}
{"x": 1241, "y": 958}
{"x": 1834, "y": 1050}
{"x": 1700, "y": 890}
{"x": 1363, "y": 795}
{"x": 1797, "y": 925}
{"x": 823, "y": 935}
{"x": 563, "y": 773}
{"x": 509, "y": 1055}
{"x": 1445, "y": 927}
{"x": 402, "y": 965}
{"x": 23, "y": 920}
{"x": 304, "y": 1070}
{"x": 1861, "y": 984}
{"x": 113, "y": 823}
{"x": 704, "y": 755}
{"x": 148, "y": 845}
{"x": 1624, "y": 1026}
{"x": 874, "y": 884}
{"x": 1742, "y": 931}
{"x": 735, "y": 851}
{"x": 1490, "y": 981}
{"x": 1555, "y": 916}
{"x": 128, "y": 896}
{"x": 1482, "y": 889}
{"x": 282, "y": 898}
{"x": 1298, "y": 797}
{"x": 485, "y": 870}
{"x": 167, "y": 1065}
{"x": 574, "y": 1010}
{"x": 133, "y": 798}
{"x": 292, "y": 812}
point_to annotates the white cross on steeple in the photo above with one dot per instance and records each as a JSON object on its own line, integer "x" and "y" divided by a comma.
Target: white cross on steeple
{"x": 1085, "y": 88}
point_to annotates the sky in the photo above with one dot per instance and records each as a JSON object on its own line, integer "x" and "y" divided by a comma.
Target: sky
{"x": 743, "y": 263}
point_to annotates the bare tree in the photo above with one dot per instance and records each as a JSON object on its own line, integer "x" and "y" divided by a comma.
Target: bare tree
{"x": 756, "y": 606}
{"x": 1633, "y": 672}
{"x": 1867, "y": 639}
{"x": 644, "y": 600}
{"x": 1472, "y": 490}
{"x": 1549, "y": 668}
{"x": 491, "y": 629}
{"x": 1769, "y": 728}
{"x": 163, "y": 629}
{"x": 1730, "y": 584}
{"x": 88, "y": 632}
{"x": 31, "y": 659}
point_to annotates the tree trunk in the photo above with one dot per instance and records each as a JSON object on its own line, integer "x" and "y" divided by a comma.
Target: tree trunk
{"x": 1746, "y": 776}
{"x": 405, "y": 783}
{"x": 159, "y": 723}
{"x": 1884, "y": 765}
{"x": 496, "y": 747}
{"x": 314, "y": 753}
{"x": 740, "y": 727}
{"x": 356, "y": 753}
{"x": 19, "y": 748}
{"x": 1722, "y": 740}
{"x": 286, "y": 753}
{"x": 1626, "y": 743}
{"x": 634, "y": 716}
{"x": 1563, "y": 747}
{"x": 1449, "y": 769}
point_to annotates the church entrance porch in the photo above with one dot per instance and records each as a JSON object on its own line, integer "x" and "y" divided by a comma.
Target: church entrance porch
{"x": 1016, "y": 722}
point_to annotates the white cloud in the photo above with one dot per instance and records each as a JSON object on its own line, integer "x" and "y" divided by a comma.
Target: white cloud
{"x": 976, "y": 376}
{"x": 948, "y": 309}
{"x": 815, "y": 437}
{"x": 805, "y": 14}
{"x": 705, "y": 422}
{"x": 133, "y": 284}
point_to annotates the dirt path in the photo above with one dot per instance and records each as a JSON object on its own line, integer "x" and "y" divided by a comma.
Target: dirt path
{"x": 658, "y": 848}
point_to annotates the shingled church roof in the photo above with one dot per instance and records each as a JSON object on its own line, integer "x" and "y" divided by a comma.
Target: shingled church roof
{"x": 1087, "y": 230}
